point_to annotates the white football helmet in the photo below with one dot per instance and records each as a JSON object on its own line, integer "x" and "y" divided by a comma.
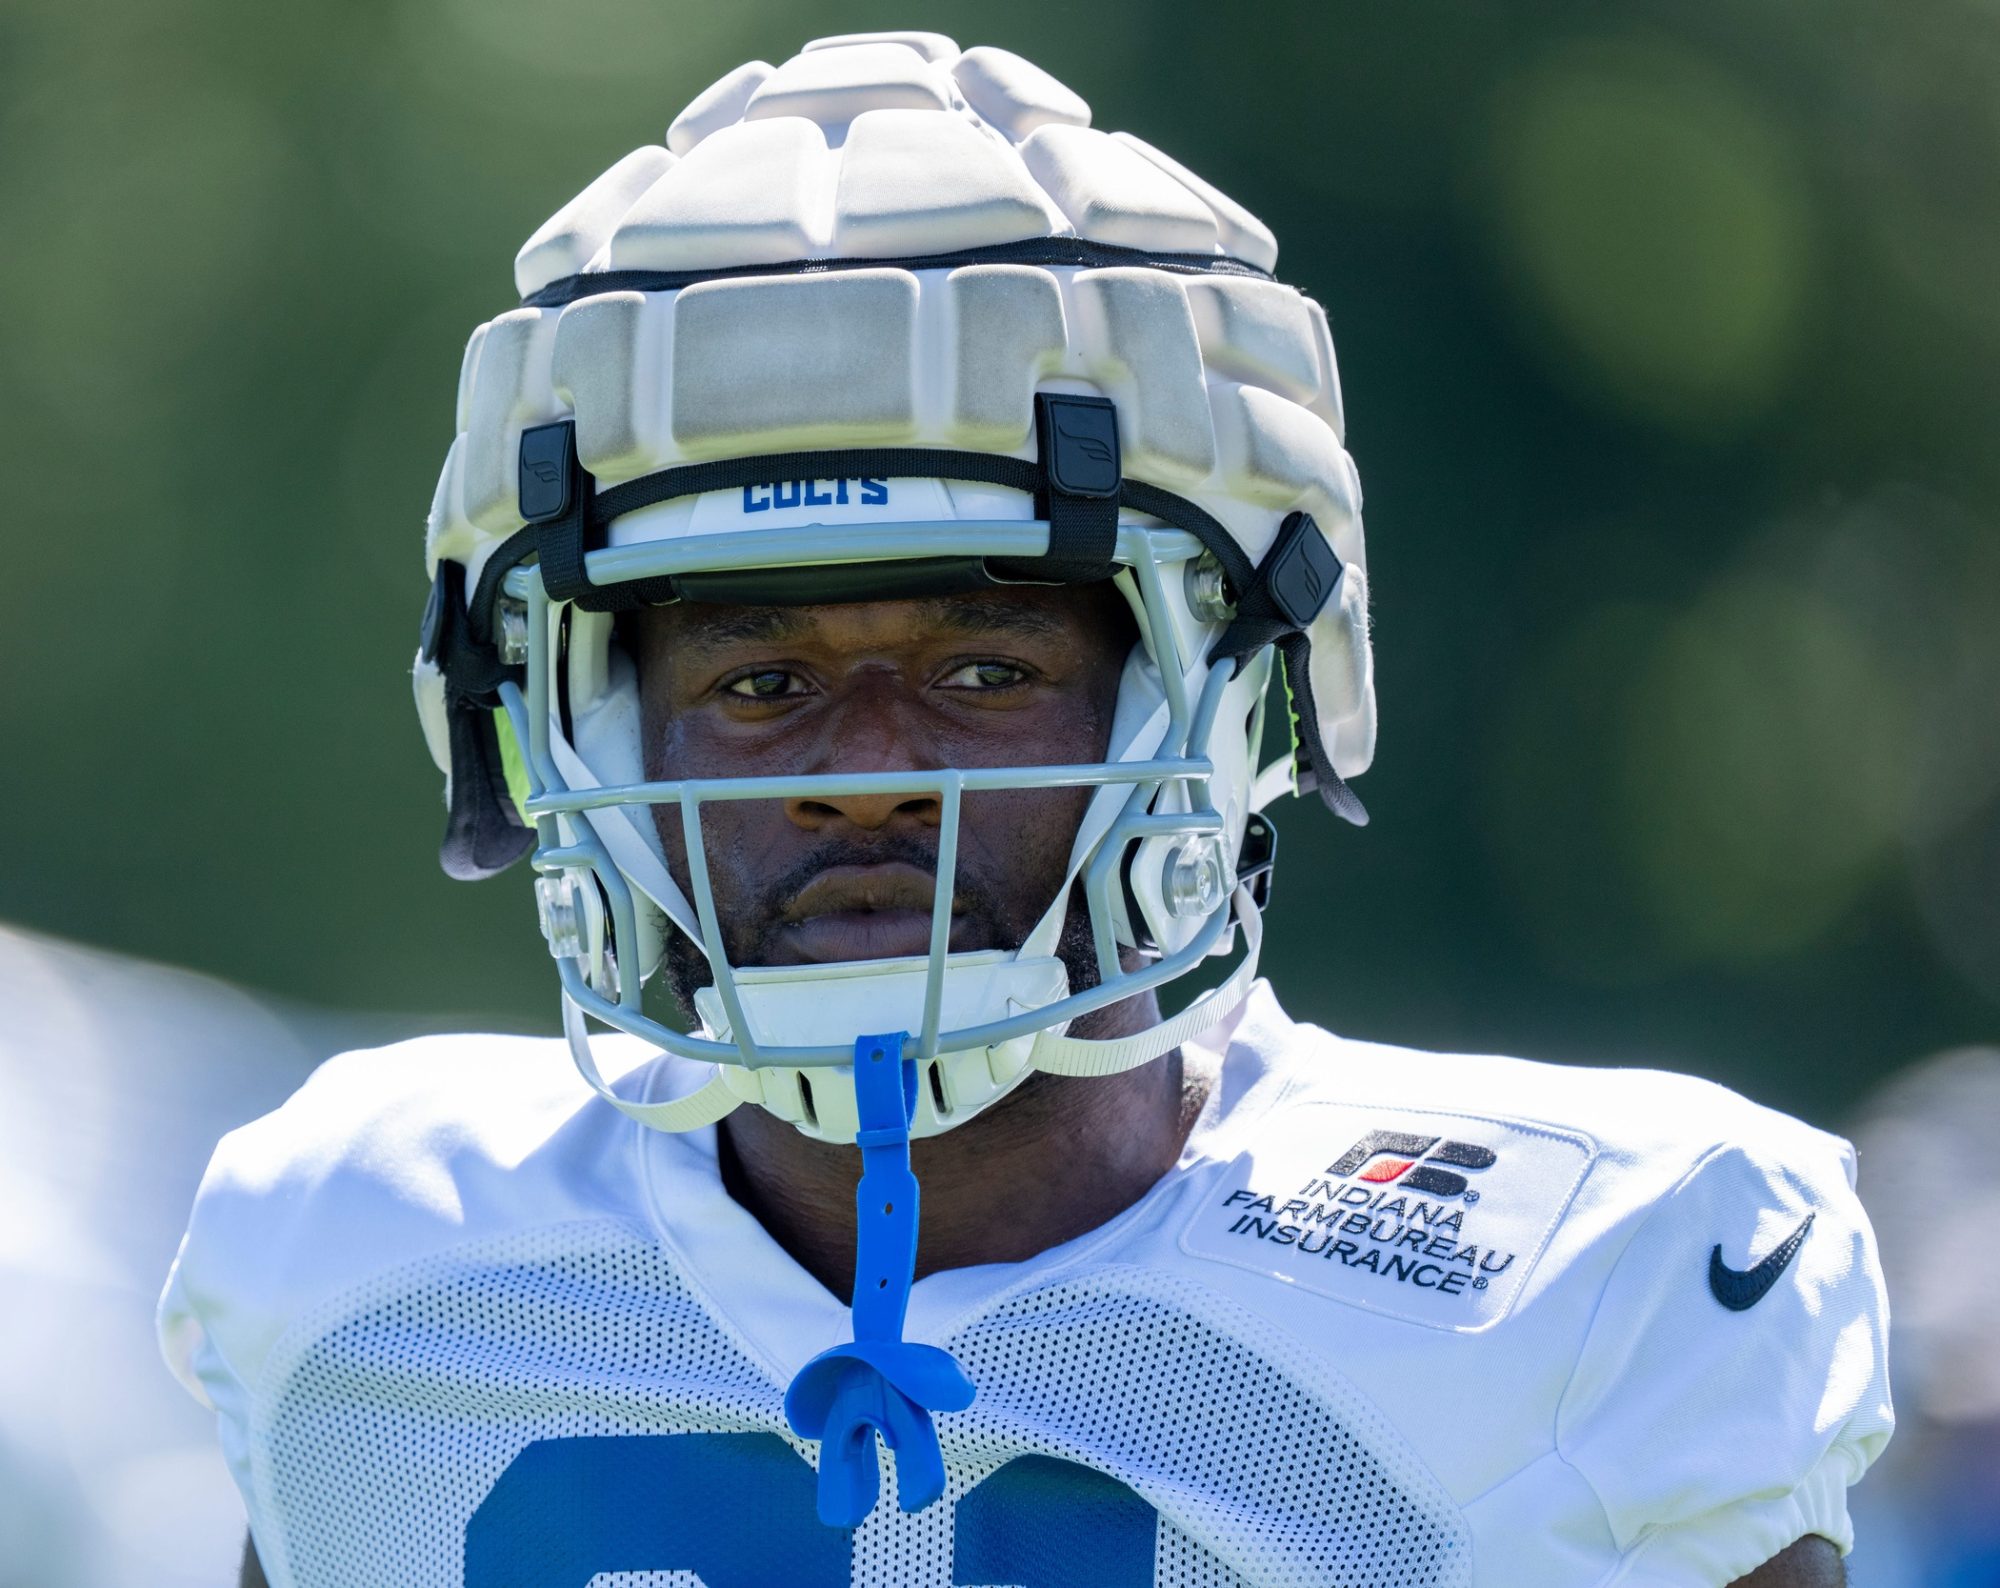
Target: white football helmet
{"x": 893, "y": 319}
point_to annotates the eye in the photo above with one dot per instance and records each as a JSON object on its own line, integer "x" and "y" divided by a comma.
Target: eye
{"x": 984, "y": 675}
{"x": 769, "y": 683}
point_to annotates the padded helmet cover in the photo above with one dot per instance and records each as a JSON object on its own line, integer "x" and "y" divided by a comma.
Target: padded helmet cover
{"x": 889, "y": 242}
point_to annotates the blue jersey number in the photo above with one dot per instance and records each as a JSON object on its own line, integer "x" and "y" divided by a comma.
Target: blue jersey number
{"x": 737, "y": 1510}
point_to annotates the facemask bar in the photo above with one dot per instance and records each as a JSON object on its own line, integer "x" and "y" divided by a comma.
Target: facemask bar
{"x": 1182, "y": 759}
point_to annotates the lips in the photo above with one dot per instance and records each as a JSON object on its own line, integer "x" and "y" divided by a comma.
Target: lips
{"x": 862, "y": 912}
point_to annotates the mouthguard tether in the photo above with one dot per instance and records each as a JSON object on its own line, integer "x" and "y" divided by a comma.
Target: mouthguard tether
{"x": 880, "y": 1384}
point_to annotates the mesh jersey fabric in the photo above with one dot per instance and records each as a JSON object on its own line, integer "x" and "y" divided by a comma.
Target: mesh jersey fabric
{"x": 457, "y": 1323}
{"x": 388, "y": 1425}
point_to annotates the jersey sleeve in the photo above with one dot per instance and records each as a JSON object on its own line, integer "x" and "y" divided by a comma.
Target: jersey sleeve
{"x": 183, "y": 1340}
{"x": 1734, "y": 1381}
{"x": 289, "y": 1207}
{"x": 383, "y": 1157}
{"x": 186, "y": 1326}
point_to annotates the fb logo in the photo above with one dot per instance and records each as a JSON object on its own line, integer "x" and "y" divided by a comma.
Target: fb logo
{"x": 1311, "y": 587}
{"x": 1092, "y": 447}
{"x": 1395, "y": 1157}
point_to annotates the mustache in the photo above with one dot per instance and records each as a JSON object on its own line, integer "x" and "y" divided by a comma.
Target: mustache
{"x": 748, "y": 936}
{"x": 970, "y": 898}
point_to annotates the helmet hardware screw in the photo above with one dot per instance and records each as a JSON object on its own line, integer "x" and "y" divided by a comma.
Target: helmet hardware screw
{"x": 1195, "y": 881}
{"x": 513, "y": 618}
{"x": 562, "y": 916}
{"x": 1208, "y": 590}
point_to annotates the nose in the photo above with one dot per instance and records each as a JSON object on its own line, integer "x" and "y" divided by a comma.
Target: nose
{"x": 871, "y": 733}
{"x": 869, "y": 812}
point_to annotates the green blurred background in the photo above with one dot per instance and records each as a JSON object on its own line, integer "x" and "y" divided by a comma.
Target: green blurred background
{"x": 1669, "y": 343}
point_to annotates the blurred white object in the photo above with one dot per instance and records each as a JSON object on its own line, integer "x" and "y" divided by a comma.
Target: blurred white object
{"x": 1929, "y": 1178}
{"x": 118, "y": 1077}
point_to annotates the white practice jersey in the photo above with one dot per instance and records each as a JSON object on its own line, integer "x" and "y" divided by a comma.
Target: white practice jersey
{"x": 1397, "y": 1318}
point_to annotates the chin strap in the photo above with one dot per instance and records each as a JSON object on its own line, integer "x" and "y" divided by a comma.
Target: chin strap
{"x": 1080, "y": 1056}
{"x": 703, "y": 1106}
{"x": 880, "y": 1384}
{"x": 1057, "y": 1055}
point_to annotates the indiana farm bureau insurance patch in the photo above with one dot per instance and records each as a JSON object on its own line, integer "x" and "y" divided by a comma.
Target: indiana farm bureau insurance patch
{"x": 1435, "y": 1218}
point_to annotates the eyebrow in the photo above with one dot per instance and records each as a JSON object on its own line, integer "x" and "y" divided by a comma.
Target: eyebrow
{"x": 971, "y": 614}
{"x": 722, "y": 625}
{"x": 990, "y": 612}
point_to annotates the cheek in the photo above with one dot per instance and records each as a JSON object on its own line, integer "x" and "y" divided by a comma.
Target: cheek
{"x": 664, "y": 734}
{"x": 749, "y": 846}
{"x": 739, "y": 837}
{"x": 1014, "y": 847}
{"x": 661, "y": 758}
{"x": 1068, "y": 728}
{"x": 1016, "y": 842}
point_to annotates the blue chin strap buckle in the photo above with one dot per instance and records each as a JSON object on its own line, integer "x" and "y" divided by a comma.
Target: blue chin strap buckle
{"x": 880, "y": 1384}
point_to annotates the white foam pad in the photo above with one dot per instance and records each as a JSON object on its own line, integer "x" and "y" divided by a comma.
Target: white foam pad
{"x": 719, "y": 105}
{"x": 931, "y": 46}
{"x": 1207, "y": 378}
{"x": 1015, "y": 95}
{"x": 1141, "y": 349}
{"x": 899, "y": 146}
{"x": 835, "y": 84}
{"x": 1343, "y": 677}
{"x": 1241, "y": 234}
{"x": 463, "y": 408}
{"x": 1327, "y": 405}
{"x": 447, "y": 531}
{"x": 609, "y": 365}
{"x": 1113, "y": 195}
{"x": 985, "y": 147}
{"x": 795, "y": 361}
{"x": 510, "y": 386}
{"x": 1007, "y": 332}
{"x": 427, "y": 683}
{"x": 1351, "y": 745}
{"x": 565, "y": 242}
{"x": 913, "y": 182}
{"x": 1259, "y": 331}
{"x": 748, "y": 194}
{"x": 1275, "y": 452}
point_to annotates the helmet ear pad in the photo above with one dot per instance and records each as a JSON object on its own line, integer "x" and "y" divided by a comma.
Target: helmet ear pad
{"x": 607, "y": 737}
{"x": 1343, "y": 676}
{"x": 1233, "y": 754}
{"x": 603, "y": 683}
{"x": 1141, "y": 916}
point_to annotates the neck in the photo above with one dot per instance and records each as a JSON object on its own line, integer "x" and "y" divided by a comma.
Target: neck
{"x": 1054, "y": 1159}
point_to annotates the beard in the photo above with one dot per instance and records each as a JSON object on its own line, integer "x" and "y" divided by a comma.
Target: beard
{"x": 749, "y": 931}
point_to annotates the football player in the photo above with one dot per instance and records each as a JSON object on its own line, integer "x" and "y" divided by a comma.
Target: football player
{"x": 865, "y": 565}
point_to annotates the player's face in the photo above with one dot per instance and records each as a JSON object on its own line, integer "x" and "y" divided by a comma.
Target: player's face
{"x": 1022, "y": 676}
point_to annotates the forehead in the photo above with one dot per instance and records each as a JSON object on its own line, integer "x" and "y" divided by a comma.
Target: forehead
{"x": 1027, "y": 613}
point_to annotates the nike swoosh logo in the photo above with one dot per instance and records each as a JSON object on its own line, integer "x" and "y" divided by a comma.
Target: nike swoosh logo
{"x": 1741, "y": 1289}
